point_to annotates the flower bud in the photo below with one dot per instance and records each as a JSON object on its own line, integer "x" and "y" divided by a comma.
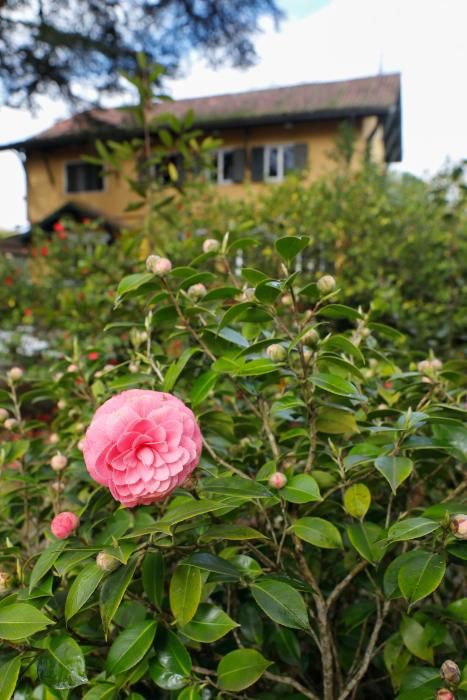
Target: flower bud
{"x": 450, "y": 672}
{"x": 3, "y": 414}
{"x": 310, "y": 338}
{"x": 445, "y": 694}
{"x": 248, "y": 294}
{"x": 61, "y": 404}
{"x": 287, "y": 300}
{"x": 98, "y": 374}
{"x": 58, "y": 462}
{"x": 14, "y": 374}
{"x": 459, "y": 526}
{"x": 326, "y": 284}
{"x": 133, "y": 367}
{"x": 72, "y": 368}
{"x": 436, "y": 364}
{"x": 6, "y": 581}
{"x": 307, "y": 355}
{"x": 196, "y": 291}
{"x": 210, "y": 245}
{"x": 276, "y": 352}
{"x": 277, "y": 480}
{"x": 54, "y": 438}
{"x": 80, "y": 444}
{"x": 64, "y": 524}
{"x": 158, "y": 266}
{"x": 108, "y": 368}
{"x": 107, "y": 562}
{"x": 10, "y": 423}
{"x": 57, "y": 376}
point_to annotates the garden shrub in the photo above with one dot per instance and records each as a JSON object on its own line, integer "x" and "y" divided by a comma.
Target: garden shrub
{"x": 316, "y": 551}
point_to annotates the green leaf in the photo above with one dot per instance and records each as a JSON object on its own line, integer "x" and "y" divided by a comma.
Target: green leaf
{"x": 415, "y": 639}
{"x": 301, "y": 488}
{"x": 231, "y": 532}
{"x": 153, "y": 575}
{"x": 9, "y": 673}
{"x": 394, "y": 469}
{"x": 334, "y": 384}
{"x": 210, "y": 562}
{"x": 357, "y": 500}
{"x": 234, "y": 312}
{"x": 62, "y": 665}
{"x": 368, "y": 539}
{"x": 45, "y": 562}
{"x": 390, "y": 580}
{"x": 318, "y": 532}
{"x": 172, "y": 654}
{"x": 208, "y": 625}
{"x": 190, "y": 693}
{"x": 82, "y": 589}
{"x": 458, "y": 609}
{"x": 235, "y": 486}
{"x": 281, "y": 603}
{"x": 290, "y": 246}
{"x": 241, "y": 668}
{"x": 112, "y": 592}
{"x": 268, "y": 291}
{"x": 202, "y": 386}
{"x": 132, "y": 282}
{"x": 419, "y": 577}
{"x": 340, "y": 311}
{"x": 335, "y": 422}
{"x": 20, "y": 620}
{"x": 343, "y": 344}
{"x": 176, "y": 368}
{"x": 191, "y": 509}
{"x": 185, "y": 592}
{"x": 253, "y": 276}
{"x": 411, "y": 529}
{"x": 101, "y": 691}
{"x": 130, "y": 647}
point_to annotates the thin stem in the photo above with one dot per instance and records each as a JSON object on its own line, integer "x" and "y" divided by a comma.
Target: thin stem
{"x": 287, "y": 680}
{"x": 342, "y": 585}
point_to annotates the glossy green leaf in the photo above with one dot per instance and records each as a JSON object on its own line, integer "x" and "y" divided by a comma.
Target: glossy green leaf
{"x": 212, "y": 563}
{"x": 334, "y": 384}
{"x": 419, "y": 577}
{"x": 20, "y": 620}
{"x": 394, "y": 469}
{"x": 390, "y": 580}
{"x": 342, "y": 344}
{"x": 176, "y": 368}
{"x": 268, "y": 291}
{"x": 318, "y": 532}
{"x": 202, "y": 386}
{"x": 340, "y": 311}
{"x": 231, "y": 532}
{"x": 153, "y": 575}
{"x": 101, "y": 691}
{"x": 190, "y": 693}
{"x": 415, "y": 639}
{"x": 172, "y": 655}
{"x": 82, "y": 589}
{"x": 411, "y": 529}
{"x": 130, "y": 646}
{"x": 281, "y": 602}
{"x": 458, "y": 609}
{"x": 9, "y": 672}
{"x": 357, "y": 500}
{"x": 241, "y": 668}
{"x": 289, "y": 247}
{"x": 112, "y": 592}
{"x": 301, "y": 488}
{"x": 208, "y": 625}
{"x": 235, "y": 486}
{"x": 369, "y": 540}
{"x": 132, "y": 282}
{"x": 45, "y": 562}
{"x": 335, "y": 422}
{"x": 185, "y": 592}
{"x": 62, "y": 665}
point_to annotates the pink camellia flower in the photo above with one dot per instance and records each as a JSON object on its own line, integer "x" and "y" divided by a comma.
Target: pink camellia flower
{"x": 64, "y": 524}
{"x": 141, "y": 445}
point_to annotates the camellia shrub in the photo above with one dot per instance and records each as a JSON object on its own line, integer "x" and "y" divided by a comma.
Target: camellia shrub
{"x": 264, "y": 498}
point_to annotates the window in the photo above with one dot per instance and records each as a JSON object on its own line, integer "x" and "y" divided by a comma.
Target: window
{"x": 225, "y": 166}
{"x": 83, "y": 177}
{"x": 278, "y": 161}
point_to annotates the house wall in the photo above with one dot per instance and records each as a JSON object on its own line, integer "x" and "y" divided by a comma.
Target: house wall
{"x": 46, "y": 169}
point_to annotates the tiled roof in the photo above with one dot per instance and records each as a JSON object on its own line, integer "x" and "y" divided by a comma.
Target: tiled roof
{"x": 373, "y": 95}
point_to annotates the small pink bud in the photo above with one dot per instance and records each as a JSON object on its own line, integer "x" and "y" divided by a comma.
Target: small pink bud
{"x": 14, "y": 374}
{"x": 158, "y": 266}
{"x": 436, "y": 364}
{"x": 287, "y": 300}
{"x": 133, "y": 367}
{"x": 10, "y": 423}
{"x": 210, "y": 245}
{"x": 107, "y": 562}
{"x": 3, "y": 414}
{"x": 450, "y": 672}
{"x": 98, "y": 374}
{"x": 445, "y": 694}
{"x": 459, "y": 527}
{"x": 54, "y": 438}
{"x": 6, "y": 581}
{"x": 58, "y": 462}
{"x": 276, "y": 352}
{"x": 277, "y": 480}
{"x": 196, "y": 291}
{"x": 108, "y": 368}
{"x": 64, "y": 524}
{"x": 72, "y": 368}
{"x": 81, "y": 444}
{"x": 326, "y": 284}
{"x": 61, "y": 404}
{"x": 57, "y": 376}
{"x": 310, "y": 338}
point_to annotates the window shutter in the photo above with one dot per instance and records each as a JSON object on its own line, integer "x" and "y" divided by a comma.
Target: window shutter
{"x": 257, "y": 164}
{"x": 300, "y": 156}
{"x": 239, "y": 159}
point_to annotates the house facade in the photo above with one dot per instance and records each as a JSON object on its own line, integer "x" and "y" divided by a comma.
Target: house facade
{"x": 265, "y": 135}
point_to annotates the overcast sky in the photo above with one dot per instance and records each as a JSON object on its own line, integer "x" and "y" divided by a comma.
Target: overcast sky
{"x": 323, "y": 40}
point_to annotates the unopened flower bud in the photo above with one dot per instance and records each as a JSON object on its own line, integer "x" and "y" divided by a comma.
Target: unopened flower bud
{"x": 3, "y": 414}
{"x": 107, "y": 562}
{"x": 72, "y": 368}
{"x": 108, "y": 368}
{"x": 133, "y": 367}
{"x": 158, "y": 266}
{"x": 196, "y": 291}
{"x": 57, "y": 376}
{"x": 287, "y": 300}
{"x": 445, "y": 694}
{"x": 54, "y": 438}
{"x": 61, "y": 404}
{"x": 248, "y": 294}
{"x": 64, "y": 524}
{"x": 80, "y": 444}
{"x": 277, "y": 480}
{"x": 58, "y": 462}
{"x": 98, "y": 374}
{"x": 310, "y": 338}
{"x": 307, "y": 355}
{"x": 450, "y": 672}
{"x": 459, "y": 526}
{"x": 14, "y": 374}
{"x": 10, "y": 423}
{"x": 6, "y": 580}
{"x": 326, "y": 284}
{"x": 276, "y": 352}
{"x": 210, "y": 245}
{"x": 436, "y": 364}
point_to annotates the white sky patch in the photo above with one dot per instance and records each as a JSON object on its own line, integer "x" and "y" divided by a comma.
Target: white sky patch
{"x": 323, "y": 40}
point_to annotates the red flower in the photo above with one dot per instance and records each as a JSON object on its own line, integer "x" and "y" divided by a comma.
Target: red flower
{"x": 59, "y": 227}
{"x": 388, "y": 385}
{"x": 44, "y": 251}
{"x": 86, "y": 220}
{"x": 93, "y": 355}
{"x": 61, "y": 235}
{"x": 8, "y": 280}
{"x": 27, "y": 312}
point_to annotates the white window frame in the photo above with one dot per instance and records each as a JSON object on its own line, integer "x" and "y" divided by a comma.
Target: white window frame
{"x": 220, "y": 167}
{"x": 280, "y": 161}
{"x": 65, "y": 178}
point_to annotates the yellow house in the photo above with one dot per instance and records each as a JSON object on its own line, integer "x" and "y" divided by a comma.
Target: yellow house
{"x": 265, "y": 135}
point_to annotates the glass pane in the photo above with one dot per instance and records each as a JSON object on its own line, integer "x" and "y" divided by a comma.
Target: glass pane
{"x": 289, "y": 159}
{"x": 273, "y": 162}
{"x": 228, "y": 169}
